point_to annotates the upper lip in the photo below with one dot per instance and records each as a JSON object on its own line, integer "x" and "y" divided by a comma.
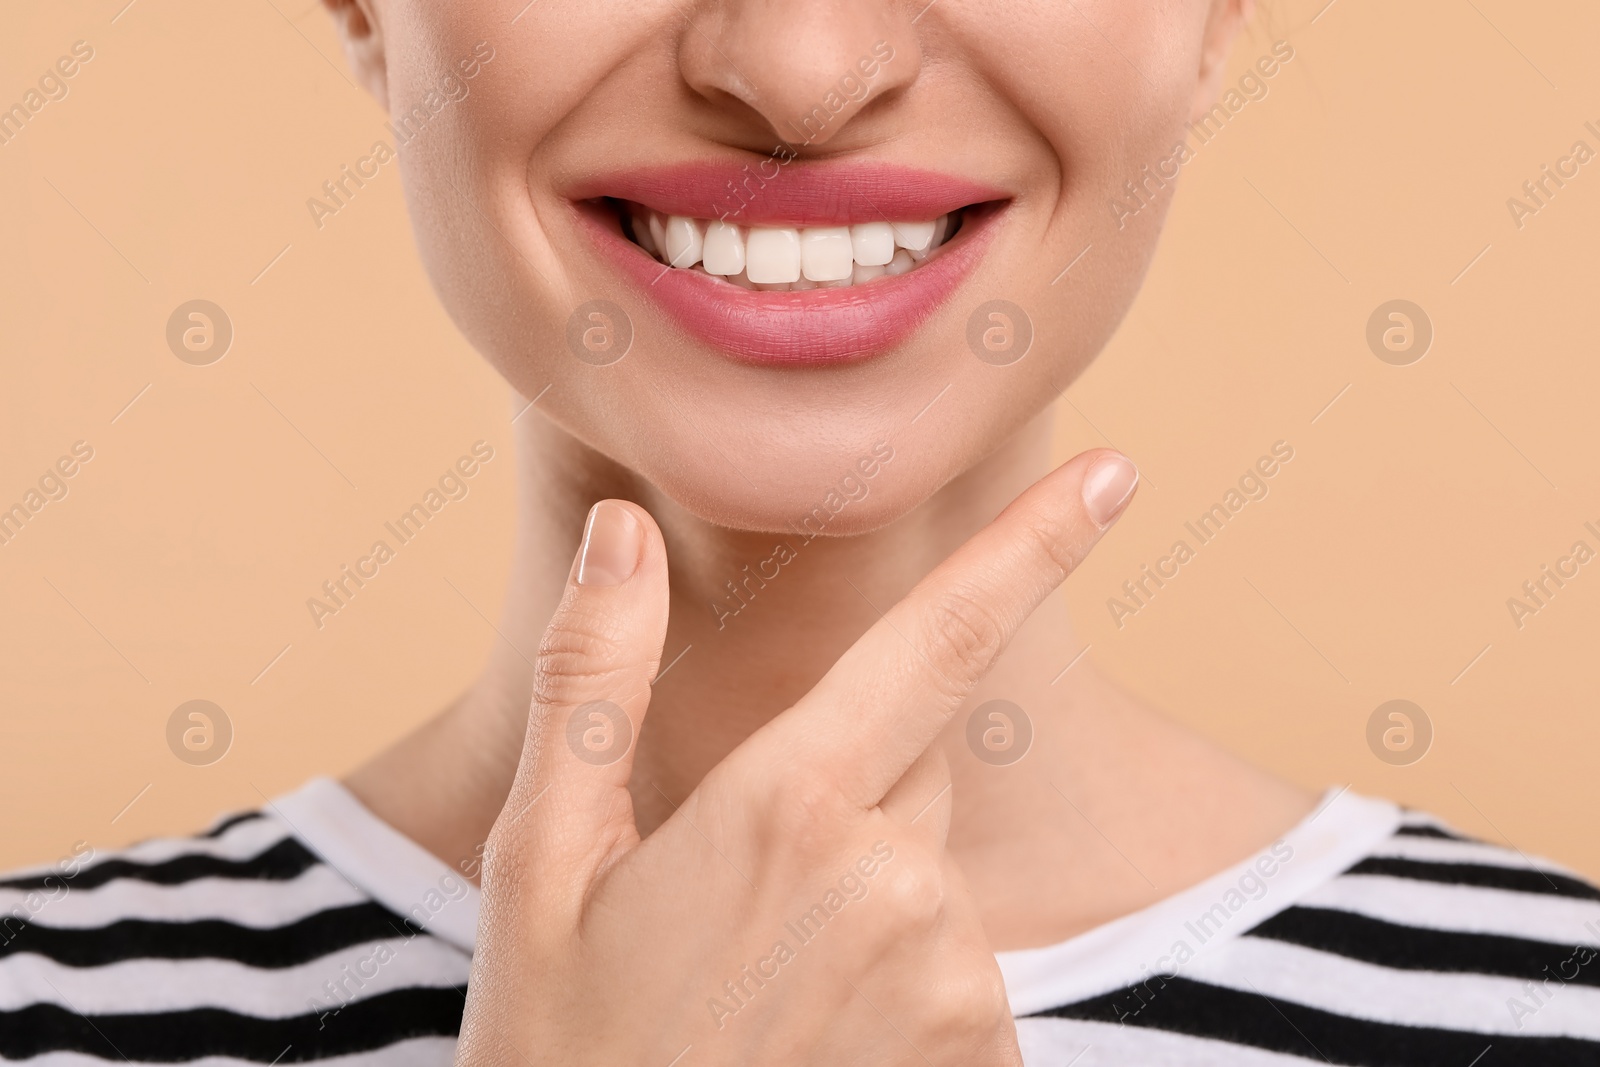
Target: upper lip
{"x": 796, "y": 193}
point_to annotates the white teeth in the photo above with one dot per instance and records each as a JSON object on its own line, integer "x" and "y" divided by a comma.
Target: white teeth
{"x": 787, "y": 258}
{"x": 658, "y": 232}
{"x": 685, "y": 242}
{"x": 872, "y": 243}
{"x": 641, "y": 233}
{"x": 913, "y": 236}
{"x": 772, "y": 255}
{"x": 724, "y": 249}
{"x": 941, "y": 226}
{"x": 825, "y": 253}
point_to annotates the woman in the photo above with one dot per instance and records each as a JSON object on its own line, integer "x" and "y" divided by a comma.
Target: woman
{"x": 812, "y": 775}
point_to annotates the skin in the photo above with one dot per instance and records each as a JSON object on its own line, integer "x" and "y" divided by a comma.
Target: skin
{"x": 1057, "y": 104}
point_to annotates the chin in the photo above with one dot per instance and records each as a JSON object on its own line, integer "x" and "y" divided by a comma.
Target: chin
{"x": 842, "y": 493}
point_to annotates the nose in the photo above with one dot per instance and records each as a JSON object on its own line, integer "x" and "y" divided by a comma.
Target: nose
{"x": 804, "y": 68}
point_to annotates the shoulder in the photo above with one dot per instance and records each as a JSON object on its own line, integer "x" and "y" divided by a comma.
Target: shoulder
{"x": 239, "y": 943}
{"x": 1430, "y": 948}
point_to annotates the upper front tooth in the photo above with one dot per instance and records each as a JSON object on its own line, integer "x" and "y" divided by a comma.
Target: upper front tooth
{"x": 825, "y": 253}
{"x": 641, "y": 232}
{"x": 783, "y": 255}
{"x": 685, "y": 241}
{"x": 872, "y": 243}
{"x": 658, "y": 232}
{"x": 724, "y": 249}
{"x": 941, "y": 227}
{"x": 913, "y": 236}
{"x": 772, "y": 255}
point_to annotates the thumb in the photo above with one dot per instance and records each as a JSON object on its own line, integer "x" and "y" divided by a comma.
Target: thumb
{"x": 569, "y": 813}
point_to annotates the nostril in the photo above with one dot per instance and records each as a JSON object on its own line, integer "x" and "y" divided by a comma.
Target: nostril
{"x": 802, "y": 71}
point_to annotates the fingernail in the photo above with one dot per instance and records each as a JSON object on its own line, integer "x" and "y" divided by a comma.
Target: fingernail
{"x": 611, "y": 543}
{"x": 1108, "y": 487}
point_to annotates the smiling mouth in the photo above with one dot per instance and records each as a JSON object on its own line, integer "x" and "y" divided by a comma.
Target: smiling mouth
{"x": 777, "y": 258}
{"x": 819, "y": 263}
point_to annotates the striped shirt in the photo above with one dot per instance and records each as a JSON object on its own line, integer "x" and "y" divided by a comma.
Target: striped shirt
{"x": 313, "y": 931}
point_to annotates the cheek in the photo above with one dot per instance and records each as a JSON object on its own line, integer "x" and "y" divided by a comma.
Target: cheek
{"x": 473, "y": 184}
{"x": 1102, "y": 89}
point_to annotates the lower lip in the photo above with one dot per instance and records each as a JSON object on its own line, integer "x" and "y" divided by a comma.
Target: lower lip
{"x": 799, "y": 329}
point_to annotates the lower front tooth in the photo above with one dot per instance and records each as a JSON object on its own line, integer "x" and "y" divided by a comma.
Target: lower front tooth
{"x": 901, "y": 263}
{"x": 866, "y": 273}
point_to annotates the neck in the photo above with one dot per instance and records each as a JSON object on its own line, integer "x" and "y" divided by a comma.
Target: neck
{"x": 757, "y": 619}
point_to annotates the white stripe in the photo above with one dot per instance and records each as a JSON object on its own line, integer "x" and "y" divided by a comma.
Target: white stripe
{"x": 398, "y": 873}
{"x": 1204, "y": 917}
{"x": 1438, "y": 850}
{"x": 1418, "y": 817}
{"x": 1468, "y": 909}
{"x": 151, "y": 985}
{"x": 1064, "y": 1042}
{"x": 241, "y": 842}
{"x": 417, "y": 1052}
{"x": 1472, "y": 1002}
{"x": 248, "y": 902}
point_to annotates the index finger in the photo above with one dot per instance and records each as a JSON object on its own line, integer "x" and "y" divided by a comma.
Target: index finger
{"x": 886, "y": 699}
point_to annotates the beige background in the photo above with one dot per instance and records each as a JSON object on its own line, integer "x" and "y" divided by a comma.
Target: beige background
{"x": 1379, "y": 567}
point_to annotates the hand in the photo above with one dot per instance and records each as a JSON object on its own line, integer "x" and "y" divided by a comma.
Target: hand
{"x": 799, "y": 907}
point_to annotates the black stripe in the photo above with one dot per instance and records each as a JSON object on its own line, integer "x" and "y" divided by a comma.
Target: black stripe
{"x": 1481, "y": 875}
{"x": 1179, "y": 1005}
{"x": 1412, "y": 948}
{"x": 276, "y": 946}
{"x": 285, "y": 860}
{"x": 1430, "y": 831}
{"x": 173, "y": 1037}
{"x": 230, "y": 822}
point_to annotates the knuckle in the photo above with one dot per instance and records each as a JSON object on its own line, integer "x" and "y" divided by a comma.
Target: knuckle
{"x": 913, "y": 893}
{"x": 578, "y": 656}
{"x": 963, "y": 633}
{"x": 966, "y": 1004}
{"x": 1050, "y": 541}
